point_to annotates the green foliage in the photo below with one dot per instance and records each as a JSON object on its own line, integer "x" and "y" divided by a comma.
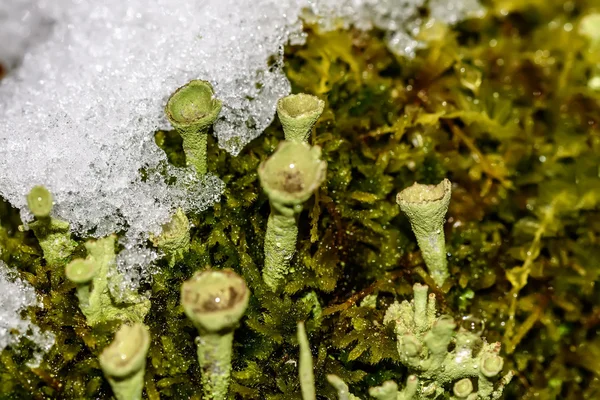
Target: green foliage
{"x": 501, "y": 106}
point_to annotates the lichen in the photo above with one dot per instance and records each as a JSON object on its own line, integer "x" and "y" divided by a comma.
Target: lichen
{"x": 501, "y": 106}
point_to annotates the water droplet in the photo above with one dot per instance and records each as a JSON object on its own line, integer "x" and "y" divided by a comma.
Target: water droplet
{"x": 472, "y": 324}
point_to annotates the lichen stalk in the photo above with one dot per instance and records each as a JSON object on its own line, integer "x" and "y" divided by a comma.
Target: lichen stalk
{"x": 305, "y": 365}
{"x": 195, "y": 145}
{"x": 341, "y": 387}
{"x": 280, "y": 244}
{"x": 214, "y": 356}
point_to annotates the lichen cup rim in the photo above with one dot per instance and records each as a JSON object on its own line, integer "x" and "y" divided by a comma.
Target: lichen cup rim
{"x": 202, "y": 295}
{"x": 178, "y": 109}
{"x": 299, "y": 105}
{"x": 127, "y": 352}
{"x": 307, "y": 172}
{"x": 40, "y": 201}
{"x": 419, "y": 193}
{"x": 463, "y": 387}
{"x": 491, "y": 365}
{"x": 80, "y": 271}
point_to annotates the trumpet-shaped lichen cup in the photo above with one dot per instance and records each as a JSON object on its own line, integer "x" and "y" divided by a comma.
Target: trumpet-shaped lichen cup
{"x": 124, "y": 361}
{"x": 192, "y": 109}
{"x": 426, "y": 207}
{"x": 289, "y": 177}
{"x": 298, "y": 113}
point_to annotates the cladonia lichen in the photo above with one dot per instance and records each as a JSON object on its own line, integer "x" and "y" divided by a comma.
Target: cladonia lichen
{"x": 289, "y": 177}
{"x": 174, "y": 238}
{"x": 298, "y": 113}
{"x": 215, "y": 301}
{"x": 92, "y": 277}
{"x": 192, "y": 110}
{"x": 426, "y": 207}
{"x": 53, "y": 234}
{"x": 124, "y": 361}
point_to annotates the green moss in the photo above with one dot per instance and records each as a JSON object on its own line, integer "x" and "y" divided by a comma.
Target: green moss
{"x": 500, "y": 106}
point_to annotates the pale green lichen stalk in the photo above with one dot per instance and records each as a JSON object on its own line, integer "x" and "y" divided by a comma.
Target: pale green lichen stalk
{"x": 192, "y": 109}
{"x": 305, "y": 366}
{"x": 53, "y": 234}
{"x": 426, "y": 207}
{"x": 289, "y": 177}
{"x": 298, "y": 113}
{"x": 215, "y": 301}
{"x": 174, "y": 239}
{"x": 92, "y": 276}
{"x": 123, "y": 362}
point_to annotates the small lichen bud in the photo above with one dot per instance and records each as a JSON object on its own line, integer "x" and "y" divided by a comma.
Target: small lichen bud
{"x": 93, "y": 275}
{"x": 387, "y": 391}
{"x": 81, "y": 271}
{"x": 174, "y": 239}
{"x": 491, "y": 365}
{"x": 39, "y": 201}
{"x": 409, "y": 346}
{"x": 53, "y": 234}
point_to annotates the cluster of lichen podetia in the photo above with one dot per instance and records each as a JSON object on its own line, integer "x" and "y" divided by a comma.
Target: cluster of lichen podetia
{"x": 215, "y": 301}
{"x": 423, "y": 341}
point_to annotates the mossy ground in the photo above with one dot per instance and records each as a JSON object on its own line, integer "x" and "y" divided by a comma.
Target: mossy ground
{"x": 500, "y": 106}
